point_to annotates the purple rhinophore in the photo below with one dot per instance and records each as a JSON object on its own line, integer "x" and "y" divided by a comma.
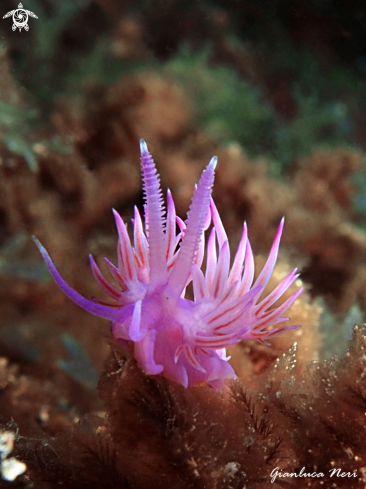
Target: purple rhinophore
{"x": 184, "y": 339}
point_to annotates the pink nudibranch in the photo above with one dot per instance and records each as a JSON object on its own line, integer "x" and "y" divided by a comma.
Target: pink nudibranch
{"x": 184, "y": 339}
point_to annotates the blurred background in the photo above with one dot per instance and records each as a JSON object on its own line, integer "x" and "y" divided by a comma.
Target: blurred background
{"x": 277, "y": 89}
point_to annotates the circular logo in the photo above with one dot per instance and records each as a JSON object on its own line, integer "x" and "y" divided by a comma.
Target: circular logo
{"x": 20, "y": 19}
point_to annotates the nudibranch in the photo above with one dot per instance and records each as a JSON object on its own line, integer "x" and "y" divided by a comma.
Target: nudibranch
{"x": 180, "y": 338}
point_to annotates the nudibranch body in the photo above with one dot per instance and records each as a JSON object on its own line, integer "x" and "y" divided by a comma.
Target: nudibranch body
{"x": 184, "y": 339}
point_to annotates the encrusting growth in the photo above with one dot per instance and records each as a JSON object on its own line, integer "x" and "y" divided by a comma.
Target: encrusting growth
{"x": 183, "y": 339}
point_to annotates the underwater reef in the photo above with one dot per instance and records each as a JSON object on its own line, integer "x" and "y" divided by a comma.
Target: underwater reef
{"x": 276, "y": 92}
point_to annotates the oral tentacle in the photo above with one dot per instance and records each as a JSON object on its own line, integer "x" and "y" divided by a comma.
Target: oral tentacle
{"x": 105, "y": 312}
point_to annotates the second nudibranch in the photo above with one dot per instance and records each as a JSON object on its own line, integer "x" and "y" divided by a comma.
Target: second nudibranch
{"x": 184, "y": 339}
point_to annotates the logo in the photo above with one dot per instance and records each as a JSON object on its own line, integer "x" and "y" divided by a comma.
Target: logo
{"x": 20, "y": 17}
